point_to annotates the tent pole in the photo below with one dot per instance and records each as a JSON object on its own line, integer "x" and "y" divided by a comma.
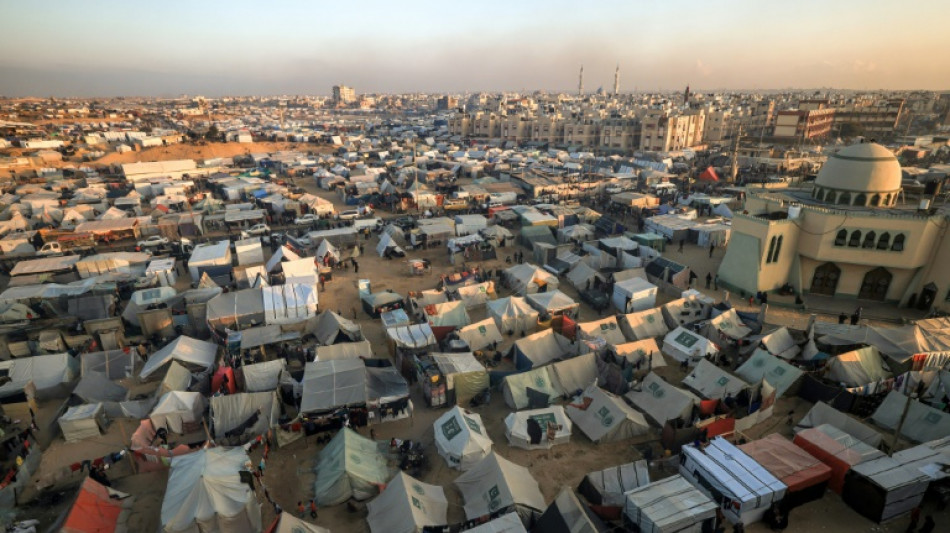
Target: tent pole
{"x": 900, "y": 425}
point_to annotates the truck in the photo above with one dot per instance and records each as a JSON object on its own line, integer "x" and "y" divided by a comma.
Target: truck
{"x": 455, "y": 204}
{"x": 59, "y": 243}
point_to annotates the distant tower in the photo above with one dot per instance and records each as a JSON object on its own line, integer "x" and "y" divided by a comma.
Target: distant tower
{"x": 580, "y": 81}
{"x": 617, "y": 81}
{"x": 686, "y": 95}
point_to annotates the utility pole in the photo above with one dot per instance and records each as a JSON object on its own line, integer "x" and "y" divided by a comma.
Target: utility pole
{"x": 617, "y": 81}
{"x": 734, "y": 171}
{"x": 900, "y": 424}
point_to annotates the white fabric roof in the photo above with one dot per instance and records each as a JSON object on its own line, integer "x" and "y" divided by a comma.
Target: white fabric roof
{"x": 45, "y": 371}
{"x": 205, "y": 491}
{"x": 671, "y": 504}
{"x": 777, "y": 372}
{"x": 480, "y": 334}
{"x": 413, "y": 336}
{"x": 461, "y": 438}
{"x": 662, "y": 401}
{"x": 858, "y": 367}
{"x": 604, "y": 417}
{"x": 407, "y": 505}
{"x": 923, "y": 423}
{"x": 644, "y": 324}
{"x": 494, "y": 483}
{"x": 712, "y": 382}
{"x": 184, "y": 349}
{"x": 331, "y": 384}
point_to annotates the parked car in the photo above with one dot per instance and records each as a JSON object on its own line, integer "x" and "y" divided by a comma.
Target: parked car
{"x": 153, "y": 241}
{"x": 349, "y": 214}
{"x": 258, "y": 229}
{"x": 306, "y": 220}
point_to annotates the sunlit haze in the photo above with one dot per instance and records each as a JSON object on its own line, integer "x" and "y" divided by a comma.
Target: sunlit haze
{"x": 288, "y": 47}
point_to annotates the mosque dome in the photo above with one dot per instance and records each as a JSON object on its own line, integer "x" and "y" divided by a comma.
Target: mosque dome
{"x": 865, "y": 174}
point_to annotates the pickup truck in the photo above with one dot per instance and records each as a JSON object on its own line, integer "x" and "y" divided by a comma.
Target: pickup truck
{"x": 455, "y": 204}
{"x": 68, "y": 243}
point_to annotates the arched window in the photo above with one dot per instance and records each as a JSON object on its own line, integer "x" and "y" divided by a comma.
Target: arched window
{"x": 887, "y": 200}
{"x": 768, "y": 256}
{"x": 869, "y": 240}
{"x": 841, "y": 238}
{"x": 876, "y": 200}
{"x": 778, "y": 249}
{"x": 855, "y": 239}
{"x": 844, "y": 199}
{"x": 860, "y": 199}
{"x": 884, "y": 241}
{"x": 898, "y": 245}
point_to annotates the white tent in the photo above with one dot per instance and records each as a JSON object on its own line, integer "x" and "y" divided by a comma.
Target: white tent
{"x": 609, "y": 486}
{"x": 495, "y": 483}
{"x": 723, "y": 471}
{"x": 922, "y": 423}
{"x": 331, "y": 328}
{"x": 775, "y": 371}
{"x": 448, "y": 314}
{"x": 344, "y": 350}
{"x": 465, "y": 376}
{"x": 175, "y": 409}
{"x": 729, "y": 324}
{"x": 205, "y": 493}
{"x": 326, "y": 248}
{"x": 780, "y": 344}
{"x": 552, "y": 302}
{"x": 582, "y": 274}
{"x": 684, "y": 345}
{"x": 669, "y": 505}
{"x": 83, "y": 421}
{"x": 604, "y": 417}
{"x": 506, "y": 523}
{"x": 541, "y": 348}
{"x": 537, "y": 384}
{"x": 712, "y": 382}
{"x": 388, "y": 246}
{"x": 528, "y": 279}
{"x": 260, "y": 377}
{"x": 605, "y": 328}
{"x": 661, "y": 401}
{"x": 478, "y": 294}
{"x": 644, "y": 324}
{"x": 407, "y": 505}
{"x": 288, "y": 523}
{"x": 519, "y": 436}
{"x": 634, "y": 294}
{"x": 567, "y": 514}
{"x": 414, "y": 336}
{"x": 50, "y": 374}
{"x": 822, "y": 413}
{"x": 290, "y": 303}
{"x": 645, "y": 353}
{"x": 461, "y": 438}
{"x": 350, "y": 466}
{"x": 329, "y": 385}
{"x": 480, "y": 334}
{"x": 183, "y": 349}
{"x": 513, "y": 315}
{"x": 244, "y": 416}
{"x": 857, "y": 367}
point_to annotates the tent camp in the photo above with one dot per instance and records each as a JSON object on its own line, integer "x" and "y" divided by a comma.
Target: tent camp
{"x": 288, "y": 523}
{"x": 541, "y": 348}
{"x": 98, "y": 509}
{"x": 727, "y": 324}
{"x": 582, "y": 276}
{"x": 805, "y": 476}
{"x": 412, "y": 337}
{"x": 644, "y": 324}
{"x": 379, "y": 302}
{"x": 465, "y": 377}
{"x": 94, "y": 387}
{"x": 83, "y": 421}
{"x": 552, "y": 303}
{"x": 480, "y": 334}
{"x": 331, "y": 328}
{"x": 179, "y": 411}
{"x": 533, "y": 388}
{"x": 573, "y": 375}
{"x": 606, "y": 329}
{"x": 527, "y": 279}
{"x": 114, "y": 364}
{"x": 922, "y": 422}
{"x": 712, "y": 382}
{"x": 389, "y": 247}
{"x": 633, "y": 294}
{"x": 461, "y": 438}
{"x": 476, "y": 295}
{"x": 289, "y": 303}
{"x": 885, "y": 488}
{"x": 822, "y": 413}
{"x": 344, "y": 350}
{"x": 448, "y": 315}
{"x": 604, "y": 417}
{"x": 641, "y": 354}
{"x": 668, "y": 506}
{"x": 761, "y": 365}
{"x": 205, "y": 492}
{"x": 50, "y": 374}
{"x": 660, "y": 401}
{"x": 506, "y": 523}
{"x": 239, "y": 418}
{"x": 779, "y": 343}
{"x": 538, "y": 429}
{"x": 686, "y": 311}
{"x": 837, "y": 449}
{"x": 684, "y": 345}
{"x": 607, "y": 488}
{"x": 260, "y": 377}
{"x": 329, "y": 385}
{"x": 494, "y": 484}
{"x": 727, "y": 474}
{"x": 857, "y": 367}
{"x": 191, "y": 352}
{"x": 350, "y": 466}
{"x": 567, "y": 514}
{"x": 513, "y": 315}
{"x": 407, "y": 505}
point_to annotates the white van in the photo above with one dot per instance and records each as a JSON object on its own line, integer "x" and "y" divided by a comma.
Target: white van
{"x": 664, "y": 188}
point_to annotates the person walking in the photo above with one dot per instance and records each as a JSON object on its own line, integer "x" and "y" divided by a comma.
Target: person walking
{"x": 682, "y": 242}
{"x": 712, "y": 248}
{"x": 709, "y": 277}
{"x": 301, "y": 510}
{"x": 313, "y": 510}
{"x": 356, "y": 267}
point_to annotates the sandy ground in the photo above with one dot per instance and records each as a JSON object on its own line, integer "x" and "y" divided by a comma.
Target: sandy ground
{"x": 289, "y": 474}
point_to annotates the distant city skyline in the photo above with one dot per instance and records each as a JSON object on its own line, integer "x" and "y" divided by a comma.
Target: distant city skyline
{"x": 111, "y": 48}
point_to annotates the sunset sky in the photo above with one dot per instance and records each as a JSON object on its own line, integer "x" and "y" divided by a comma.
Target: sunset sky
{"x": 107, "y": 48}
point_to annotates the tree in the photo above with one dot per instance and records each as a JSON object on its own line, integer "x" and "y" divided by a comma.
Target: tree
{"x": 851, "y": 129}
{"x": 213, "y": 133}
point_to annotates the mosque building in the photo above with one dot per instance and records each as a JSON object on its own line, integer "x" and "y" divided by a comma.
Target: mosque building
{"x": 850, "y": 236}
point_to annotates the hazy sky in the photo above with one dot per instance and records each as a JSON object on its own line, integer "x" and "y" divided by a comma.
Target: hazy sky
{"x": 239, "y": 47}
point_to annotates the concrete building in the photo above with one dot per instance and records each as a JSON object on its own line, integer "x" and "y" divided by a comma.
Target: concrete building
{"x": 848, "y": 237}
{"x": 877, "y": 118}
{"x": 343, "y": 95}
{"x": 663, "y": 131}
{"x": 446, "y": 103}
{"x": 802, "y": 124}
